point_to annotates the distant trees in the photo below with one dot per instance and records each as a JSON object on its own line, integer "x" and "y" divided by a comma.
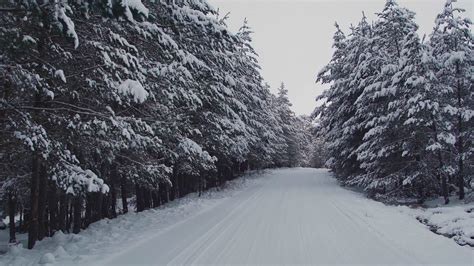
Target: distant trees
{"x": 107, "y": 103}
{"x": 398, "y": 116}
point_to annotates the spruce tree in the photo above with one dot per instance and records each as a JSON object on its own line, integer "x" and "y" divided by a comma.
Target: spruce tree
{"x": 452, "y": 45}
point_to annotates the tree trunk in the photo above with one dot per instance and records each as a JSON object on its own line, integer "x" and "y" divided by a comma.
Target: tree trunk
{"x": 200, "y": 185}
{"x": 460, "y": 147}
{"x": 53, "y": 209}
{"x": 77, "y": 215}
{"x": 114, "y": 176}
{"x": 174, "y": 192}
{"x": 20, "y": 225}
{"x": 444, "y": 183}
{"x": 70, "y": 216}
{"x": 62, "y": 212}
{"x": 42, "y": 199}
{"x": 138, "y": 192}
{"x": 441, "y": 176}
{"x": 99, "y": 205}
{"x": 460, "y": 141}
{"x": 90, "y": 202}
{"x": 33, "y": 224}
{"x": 461, "y": 178}
{"x": 123, "y": 192}
{"x": 105, "y": 208}
{"x": 155, "y": 198}
{"x": 26, "y": 220}
{"x": 162, "y": 191}
{"x": 11, "y": 214}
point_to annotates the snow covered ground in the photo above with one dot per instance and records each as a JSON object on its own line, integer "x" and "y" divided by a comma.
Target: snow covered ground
{"x": 287, "y": 216}
{"x": 455, "y": 220}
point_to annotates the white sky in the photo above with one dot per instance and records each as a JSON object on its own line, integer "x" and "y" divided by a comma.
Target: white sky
{"x": 294, "y": 37}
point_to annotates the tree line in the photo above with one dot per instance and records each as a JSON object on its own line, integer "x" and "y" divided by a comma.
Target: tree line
{"x": 130, "y": 103}
{"x": 398, "y": 115}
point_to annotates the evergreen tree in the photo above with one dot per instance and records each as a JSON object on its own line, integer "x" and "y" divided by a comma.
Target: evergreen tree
{"x": 416, "y": 107}
{"x": 452, "y": 46}
{"x": 348, "y": 73}
{"x": 397, "y": 118}
{"x": 380, "y": 152}
{"x": 108, "y": 100}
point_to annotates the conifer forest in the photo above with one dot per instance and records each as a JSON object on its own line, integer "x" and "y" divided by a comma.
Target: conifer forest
{"x": 143, "y": 132}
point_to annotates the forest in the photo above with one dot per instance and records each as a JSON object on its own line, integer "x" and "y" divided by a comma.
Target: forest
{"x": 110, "y": 104}
{"x": 109, "y": 107}
{"x": 398, "y": 118}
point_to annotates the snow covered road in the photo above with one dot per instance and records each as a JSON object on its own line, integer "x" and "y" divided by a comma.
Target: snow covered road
{"x": 294, "y": 216}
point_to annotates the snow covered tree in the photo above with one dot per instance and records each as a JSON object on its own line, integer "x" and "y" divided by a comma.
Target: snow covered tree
{"x": 416, "y": 106}
{"x": 348, "y": 72}
{"x": 397, "y": 118}
{"x": 452, "y": 45}
{"x": 142, "y": 101}
{"x": 380, "y": 152}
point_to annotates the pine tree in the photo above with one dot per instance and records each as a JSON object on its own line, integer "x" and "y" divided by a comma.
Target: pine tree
{"x": 452, "y": 44}
{"x": 158, "y": 100}
{"x": 380, "y": 152}
{"x": 397, "y": 118}
{"x": 338, "y": 124}
{"x": 416, "y": 106}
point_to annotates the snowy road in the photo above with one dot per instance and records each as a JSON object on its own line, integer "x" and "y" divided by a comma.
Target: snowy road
{"x": 295, "y": 216}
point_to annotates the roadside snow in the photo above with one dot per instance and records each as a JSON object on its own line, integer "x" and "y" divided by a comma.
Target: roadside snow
{"x": 286, "y": 216}
{"x": 106, "y": 236}
{"x": 455, "y": 220}
{"x": 296, "y": 216}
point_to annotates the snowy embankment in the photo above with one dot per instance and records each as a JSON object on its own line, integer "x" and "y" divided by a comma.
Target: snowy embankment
{"x": 455, "y": 221}
{"x": 109, "y": 236}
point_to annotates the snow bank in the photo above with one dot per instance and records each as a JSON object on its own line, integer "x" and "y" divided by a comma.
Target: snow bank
{"x": 455, "y": 221}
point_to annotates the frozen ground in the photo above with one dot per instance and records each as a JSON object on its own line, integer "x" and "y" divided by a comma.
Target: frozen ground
{"x": 288, "y": 216}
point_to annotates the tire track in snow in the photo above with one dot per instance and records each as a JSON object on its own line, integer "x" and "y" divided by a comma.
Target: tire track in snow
{"x": 185, "y": 256}
{"x": 297, "y": 216}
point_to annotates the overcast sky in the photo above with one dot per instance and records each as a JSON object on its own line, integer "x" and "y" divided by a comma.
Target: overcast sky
{"x": 294, "y": 37}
